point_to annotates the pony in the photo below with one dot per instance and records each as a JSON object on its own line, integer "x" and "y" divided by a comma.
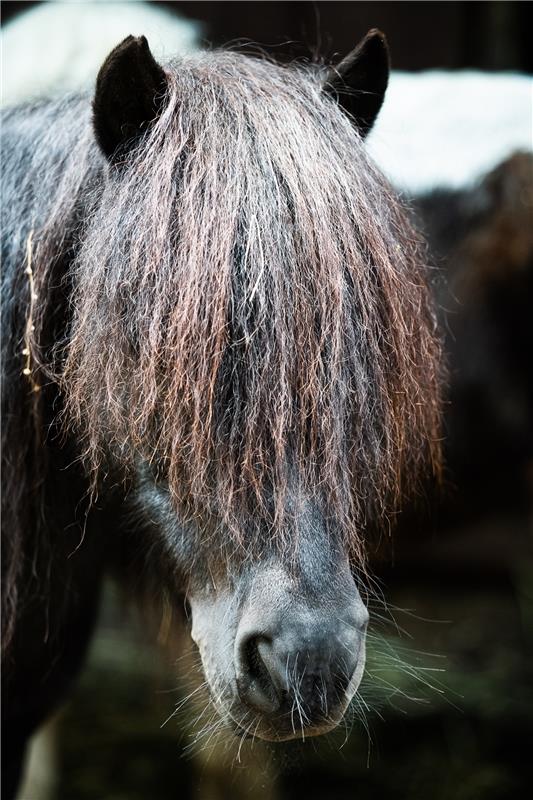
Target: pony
{"x": 221, "y": 369}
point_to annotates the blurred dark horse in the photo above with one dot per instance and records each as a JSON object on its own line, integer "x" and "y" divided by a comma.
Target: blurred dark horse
{"x": 220, "y": 364}
{"x": 482, "y": 238}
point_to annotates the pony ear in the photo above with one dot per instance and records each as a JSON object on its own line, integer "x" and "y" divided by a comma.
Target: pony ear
{"x": 359, "y": 82}
{"x": 129, "y": 92}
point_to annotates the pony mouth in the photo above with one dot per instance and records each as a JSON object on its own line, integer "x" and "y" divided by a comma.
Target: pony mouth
{"x": 301, "y": 733}
{"x": 286, "y": 727}
{"x": 245, "y": 724}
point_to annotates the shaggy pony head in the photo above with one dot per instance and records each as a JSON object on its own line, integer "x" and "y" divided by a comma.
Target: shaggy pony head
{"x": 238, "y": 311}
{"x": 251, "y": 310}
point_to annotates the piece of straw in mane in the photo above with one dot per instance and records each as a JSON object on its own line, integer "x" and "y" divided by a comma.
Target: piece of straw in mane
{"x": 251, "y": 310}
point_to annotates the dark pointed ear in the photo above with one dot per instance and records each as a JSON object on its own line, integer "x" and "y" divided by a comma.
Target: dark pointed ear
{"x": 129, "y": 92}
{"x": 360, "y": 80}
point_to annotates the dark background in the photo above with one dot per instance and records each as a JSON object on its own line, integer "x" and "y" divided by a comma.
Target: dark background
{"x": 425, "y": 35}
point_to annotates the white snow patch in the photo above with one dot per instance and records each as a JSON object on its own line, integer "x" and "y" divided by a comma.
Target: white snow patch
{"x": 446, "y": 129}
{"x": 59, "y": 47}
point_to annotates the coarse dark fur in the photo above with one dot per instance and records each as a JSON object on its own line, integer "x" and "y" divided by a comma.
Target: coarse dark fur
{"x": 236, "y": 299}
{"x": 482, "y": 237}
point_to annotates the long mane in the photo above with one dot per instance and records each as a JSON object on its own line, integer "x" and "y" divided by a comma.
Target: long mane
{"x": 251, "y": 304}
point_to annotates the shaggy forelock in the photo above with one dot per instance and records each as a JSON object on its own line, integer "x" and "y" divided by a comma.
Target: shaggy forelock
{"x": 251, "y": 311}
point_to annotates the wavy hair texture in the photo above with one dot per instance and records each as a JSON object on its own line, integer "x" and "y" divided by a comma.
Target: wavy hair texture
{"x": 250, "y": 309}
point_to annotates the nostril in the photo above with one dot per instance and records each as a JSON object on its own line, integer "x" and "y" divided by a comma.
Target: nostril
{"x": 254, "y": 681}
{"x": 256, "y": 666}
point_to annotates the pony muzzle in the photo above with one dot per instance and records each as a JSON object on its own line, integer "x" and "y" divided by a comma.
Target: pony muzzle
{"x": 298, "y": 670}
{"x": 285, "y": 665}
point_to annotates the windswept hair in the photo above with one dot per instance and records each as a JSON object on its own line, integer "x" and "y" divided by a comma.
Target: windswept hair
{"x": 251, "y": 311}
